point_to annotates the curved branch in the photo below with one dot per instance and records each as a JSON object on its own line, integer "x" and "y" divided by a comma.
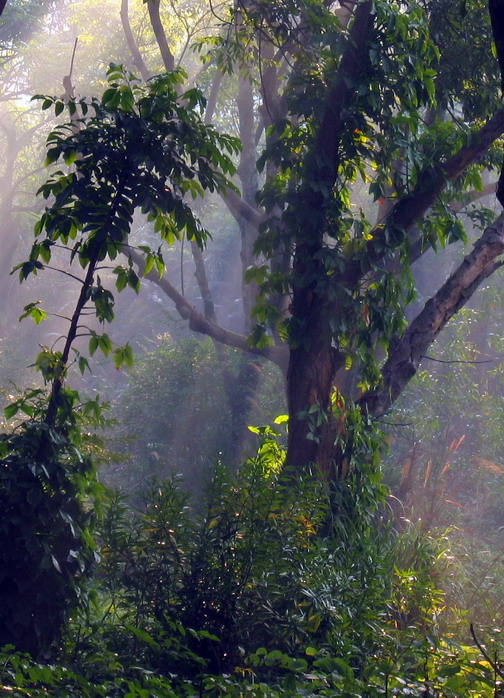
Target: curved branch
{"x": 212, "y": 97}
{"x": 240, "y": 209}
{"x": 474, "y": 195}
{"x": 132, "y": 45}
{"x": 198, "y": 322}
{"x": 203, "y": 285}
{"x": 159, "y": 33}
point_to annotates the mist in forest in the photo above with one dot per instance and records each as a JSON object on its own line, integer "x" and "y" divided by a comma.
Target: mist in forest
{"x": 187, "y": 402}
{"x": 43, "y": 46}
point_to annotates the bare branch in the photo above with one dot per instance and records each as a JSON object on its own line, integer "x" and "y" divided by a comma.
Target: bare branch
{"x": 474, "y": 195}
{"x": 212, "y": 97}
{"x": 159, "y": 33}
{"x": 457, "y": 361}
{"x": 239, "y": 208}
{"x": 198, "y": 322}
{"x": 203, "y": 285}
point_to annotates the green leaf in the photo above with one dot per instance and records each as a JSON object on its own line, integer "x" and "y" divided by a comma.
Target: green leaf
{"x": 142, "y": 635}
{"x": 122, "y": 278}
{"x": 70, "y": 157}
{"x": 133, "y": 281}
{"x": 93, "y": 343}
{"x": 11, "y": 410}
{"x": 149, "y": 264}
{"x": 82, "y": 364}
{"x": 31, "y": 310}
{"x": 123, "y": 356}
{"x": 52, "y": 155}
{"x": 104, "y": 344}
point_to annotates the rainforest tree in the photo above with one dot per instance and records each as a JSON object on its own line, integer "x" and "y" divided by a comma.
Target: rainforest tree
{"x": 371, "y": 146}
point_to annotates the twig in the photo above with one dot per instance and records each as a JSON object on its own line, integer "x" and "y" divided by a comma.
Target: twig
{"x": 457, "y": 361}
{"x": 492, "y": 663}
{"x": 66, "y": 273}
{"x": 395, "y": 424}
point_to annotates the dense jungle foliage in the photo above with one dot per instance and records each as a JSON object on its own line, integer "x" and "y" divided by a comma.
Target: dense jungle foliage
{"x": 279, "y": 472}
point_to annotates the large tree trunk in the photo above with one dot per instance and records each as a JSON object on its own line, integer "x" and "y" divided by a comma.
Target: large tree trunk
{"x": 314, "y": 360}
{"x": 310, "y": 380}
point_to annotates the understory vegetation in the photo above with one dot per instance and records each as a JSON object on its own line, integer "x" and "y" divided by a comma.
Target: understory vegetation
{"x": 264, "y": 584}
{"x": 258, "y": 589}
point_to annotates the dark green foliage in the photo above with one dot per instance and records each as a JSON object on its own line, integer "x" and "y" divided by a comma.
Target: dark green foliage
{"x": 47, "y": 489}
{"x": 137, "y": 147}
{"x": 245, "y": 567}
{"x": 465, "y": 78}
{"x": 240, "y": 596}
{"x": 210, "y": 571}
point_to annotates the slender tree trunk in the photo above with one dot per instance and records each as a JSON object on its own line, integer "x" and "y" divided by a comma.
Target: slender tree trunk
{"x": 247, "y": 172}
{"x": 159, "y": 33}
{"x": 130, "y": 39}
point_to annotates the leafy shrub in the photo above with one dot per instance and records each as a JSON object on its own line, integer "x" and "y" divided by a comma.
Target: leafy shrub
{"x": 241, "y": 593}
{"x": 191, "y": 587}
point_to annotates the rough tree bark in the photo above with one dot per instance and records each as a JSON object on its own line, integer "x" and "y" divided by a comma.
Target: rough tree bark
{"x": 314, "y": 360}
{"x": 132, "y": 45}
